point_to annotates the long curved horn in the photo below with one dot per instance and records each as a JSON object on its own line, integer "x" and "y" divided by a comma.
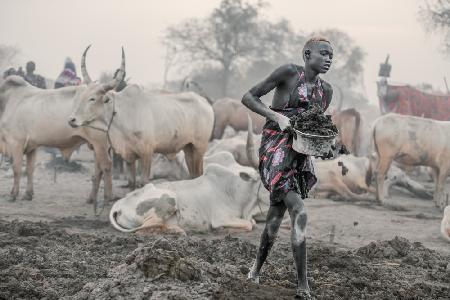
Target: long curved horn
{"x": 250, "y": 147}
{"x": 84, "y": 72}
{"x": 120, "y": 75}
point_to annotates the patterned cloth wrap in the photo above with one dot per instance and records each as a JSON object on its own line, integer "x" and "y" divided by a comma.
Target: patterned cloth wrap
{"x": 281, "y": 168}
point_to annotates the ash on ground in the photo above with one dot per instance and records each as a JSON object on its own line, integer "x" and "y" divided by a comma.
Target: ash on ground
{"x": 39, "y": 260}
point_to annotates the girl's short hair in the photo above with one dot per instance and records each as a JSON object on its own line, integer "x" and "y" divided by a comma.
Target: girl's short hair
{"x": 313, "y": 40}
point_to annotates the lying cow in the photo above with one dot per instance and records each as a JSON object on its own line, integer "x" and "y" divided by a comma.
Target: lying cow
{"x": 225, "y": 196}
{"x": 445, "y": 224}
{"x": 139, "y": 123}
{"x": 347, "y": 177}
{"x": 350, "y": 177}
{"x": 412, "y": 141}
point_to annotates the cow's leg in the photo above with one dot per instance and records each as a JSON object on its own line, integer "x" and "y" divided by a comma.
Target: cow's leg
{"x": 105, "y": 165}
{"x": 268, "y": 236}
{"x": 235, "y": 223}
{"x": 197, "y": 156}
{"x": 439, "y": 197}
{"x": 194, "y": 159}
{"x": 297, "y": 212}
{"x": 31, "y": 159}
{"x": 17, "y": 157}
{"x": 382, "y": 168}
{"x": 433, "y": 174}
{"x": 219, "y": 128}
{"x": 189, "y": 158}
{"x": 146, "y": 164}
{"x": 95, "y": 183}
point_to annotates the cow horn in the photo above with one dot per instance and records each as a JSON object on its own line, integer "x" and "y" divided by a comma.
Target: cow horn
{"x": 84, "y": 72}
{"x": 250, "y": 147}
{"x": 119, "y": 77}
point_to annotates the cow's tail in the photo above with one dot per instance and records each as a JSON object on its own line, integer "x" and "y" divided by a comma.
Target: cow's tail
{"x": 113, "y": 221}
{"x": 445, "y": 224}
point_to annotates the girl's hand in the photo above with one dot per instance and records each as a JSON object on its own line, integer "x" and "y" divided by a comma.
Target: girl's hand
{"x": 283, "y": 121}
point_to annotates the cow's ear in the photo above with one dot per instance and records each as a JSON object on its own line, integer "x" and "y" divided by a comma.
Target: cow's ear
{"x": 245, "y": 176}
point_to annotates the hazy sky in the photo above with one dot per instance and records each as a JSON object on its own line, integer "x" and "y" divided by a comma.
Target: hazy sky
{"x": 49, "y": 30}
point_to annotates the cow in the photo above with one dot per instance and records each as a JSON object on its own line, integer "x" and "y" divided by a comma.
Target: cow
{"x": 139, "y": 123}
{"x": 412, "y": 141}
{"x": 33, "y": 117}
{"x": 225, "y": 196}
{"x": 231, "y": 112}
{"x": 445, "y": 224}
{"x": 348, "y": 123}
{"x": 347, "y": 177}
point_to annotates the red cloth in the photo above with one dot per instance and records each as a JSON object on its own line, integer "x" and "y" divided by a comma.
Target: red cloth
{"x": 406, "y": 100}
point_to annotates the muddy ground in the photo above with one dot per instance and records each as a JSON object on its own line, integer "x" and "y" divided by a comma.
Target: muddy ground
{"x": 57, "y": 248}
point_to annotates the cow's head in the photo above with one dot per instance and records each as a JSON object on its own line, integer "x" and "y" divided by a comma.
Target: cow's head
{"x": 95, "y": 106}
{"x": 148, "y": 209}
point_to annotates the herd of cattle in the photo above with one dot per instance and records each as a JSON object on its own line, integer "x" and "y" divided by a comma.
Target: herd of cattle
{"x": 214, "y": 182}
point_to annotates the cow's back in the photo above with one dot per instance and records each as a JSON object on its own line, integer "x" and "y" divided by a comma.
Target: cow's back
{"x": 167, "y": 121}
{"x": 39, "y": 116}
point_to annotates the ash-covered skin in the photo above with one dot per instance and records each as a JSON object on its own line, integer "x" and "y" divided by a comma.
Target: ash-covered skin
{"x": 317, "y": 55}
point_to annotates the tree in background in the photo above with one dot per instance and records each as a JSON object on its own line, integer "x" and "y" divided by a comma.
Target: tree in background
{"x": 234, "y": 48}
{"x": 436, "y": 17}
{"x": 231, "y": 36}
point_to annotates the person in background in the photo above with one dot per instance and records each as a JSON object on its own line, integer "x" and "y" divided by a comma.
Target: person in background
{"x": 32, "y": 78}
{"x": 68, "y": 76}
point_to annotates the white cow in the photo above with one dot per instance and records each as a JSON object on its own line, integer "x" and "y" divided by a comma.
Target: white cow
{"x": 225, "y": 196}
{"x": 32, "y": 117}
{"x": 140, "y": 123}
